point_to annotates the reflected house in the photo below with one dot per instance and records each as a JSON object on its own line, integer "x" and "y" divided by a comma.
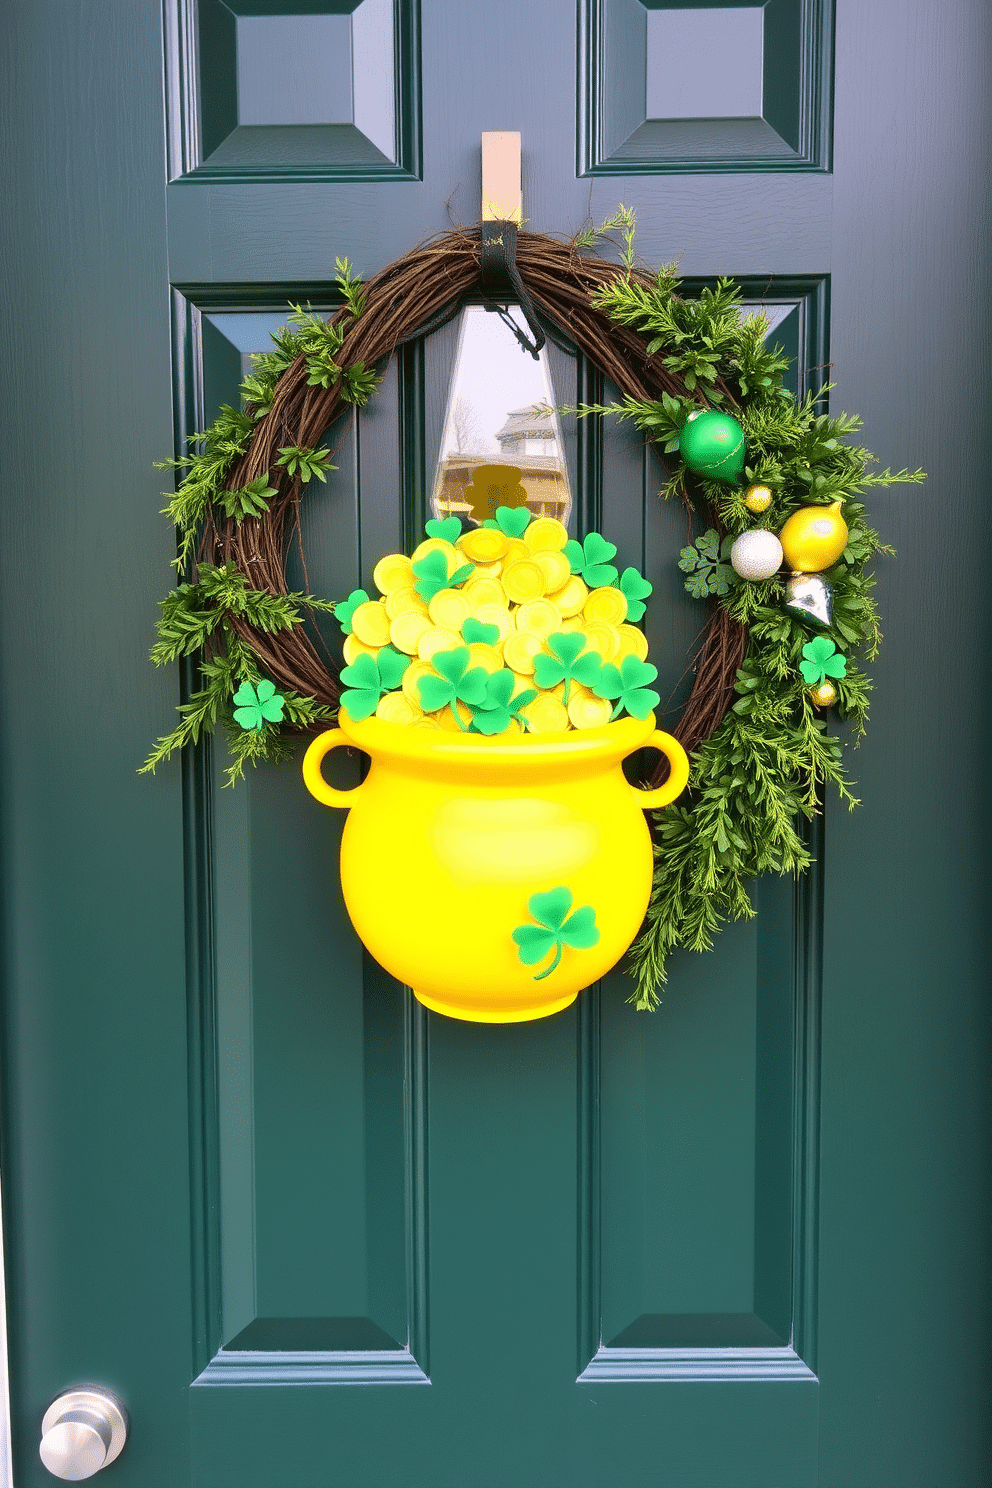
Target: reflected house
{"x": 530, "y": 456}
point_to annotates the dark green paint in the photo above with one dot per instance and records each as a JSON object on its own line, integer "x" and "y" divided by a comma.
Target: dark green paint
{"x": 232, "y": 1151}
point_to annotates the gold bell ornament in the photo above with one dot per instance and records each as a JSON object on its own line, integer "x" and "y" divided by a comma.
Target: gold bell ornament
{"x": 758, "y": 499}
{"x": 825, "y": 695}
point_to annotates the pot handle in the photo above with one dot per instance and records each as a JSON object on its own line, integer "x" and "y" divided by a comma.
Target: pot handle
{"x": 312, "y": 777}
{"x": 678, "y": 776}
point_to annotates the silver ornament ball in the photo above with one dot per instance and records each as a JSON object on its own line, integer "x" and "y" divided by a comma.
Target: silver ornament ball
{"x": 756, "y": 555}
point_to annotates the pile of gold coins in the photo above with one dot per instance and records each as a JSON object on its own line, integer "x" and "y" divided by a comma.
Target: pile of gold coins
{"x": 524, "y": 590}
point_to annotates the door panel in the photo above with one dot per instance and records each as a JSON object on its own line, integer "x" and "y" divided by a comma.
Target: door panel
{"x": 738, "y": 1242}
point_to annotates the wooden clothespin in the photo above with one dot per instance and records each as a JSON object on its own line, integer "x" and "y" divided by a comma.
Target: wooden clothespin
{"x": 502, "y": 197}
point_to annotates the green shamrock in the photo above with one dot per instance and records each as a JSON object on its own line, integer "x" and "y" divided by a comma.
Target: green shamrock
{"x": 369, "y": 677}
{"x": 431, "y": 574}
{"x": 258, "y": 705}
{"x": 493, "y": 714}
{"x": 821, "y": 660}
{"x": 635, "y": 589}
{"x": 345, "y": 608}
{"x": 566, "y": 664}
{"x": 626, "y": 684}
{"x": 510, "y": 519}
{"x": 591, "y": 559}
{"x": 447, "y": 527}
{"x": 704, "y": 562}
{"x": 458, "y": 683}
{"x": 477, "y": 630}
{"x": 553, "y": 931}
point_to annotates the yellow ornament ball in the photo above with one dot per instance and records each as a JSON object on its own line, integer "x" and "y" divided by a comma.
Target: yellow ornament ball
{"x": 824, "y": 695}
{"x": 758, "y": 498}
{"x": 814, "y": 538}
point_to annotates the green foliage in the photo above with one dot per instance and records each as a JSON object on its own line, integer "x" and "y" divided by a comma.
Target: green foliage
{"x": 771, "y": 758}
{"x": 308, "y": 464}
{"x": 704, "y": 562}
{"x": 250, "y": 501}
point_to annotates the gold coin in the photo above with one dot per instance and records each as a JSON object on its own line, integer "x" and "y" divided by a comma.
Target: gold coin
{"x": 488, "y": 570}
{"x": 407, "y": 629}
{"x": 586, "y": 711}
{"x": 556, "y": 569}
{"x": 606, "y": 604}
{"x": 446, "y": 721}
{"x": 396, "y": 707}
{"x": 426, "y": 721}
{"x": 484, "y": 545}
{"x": 438, "y": 545}
{"x": 392, "y": 572}
{"x": 570, "y": 598}
{"x": 484, "y": 591}
{"x": 522, "y": 581}
{"x": 498, "y": 615}
{"x": 486, "y": 657}
{"x": 545, "y": 715}
{"x": 602, "y": 638}
{"x": 574, "y": 622}
{"x": 633, "y": 642}
{"x": 516, "y": 549}
{"x": 538, "y": 617}
{"x": 545, "y": 535}
{"x": 519, "y": 650}
{"x": 371, "y": 623}
{"x": 449, "y": 608}
{"x": 435, "y": 640}
{"x": 411, "y": 677}
{"x": 401, "y": 601}
{"x": 353, "y": 648}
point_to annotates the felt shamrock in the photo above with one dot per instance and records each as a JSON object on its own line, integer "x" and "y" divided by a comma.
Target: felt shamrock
{"x": 477, "y": 630}
{"x": 704, "y": 562}
{"x": 448, "y": 528}
{"x": 458, "y": 683}
{"x": 569, "y": 661}
{"x": 368, "y": 677}
{"x": 635, "y": 590}
{"x": 258, "y": 705}
{"x": 345, "y": 608}
{"x": 821, "y": 660}
{"x": 553, "y": 931}
{"x": 509, "y": 519}
{"x": 627, "y": 685}
{"x": 591, "y": 559}
{"x": 431, "y": 574}
{"x": 493, "y": 714}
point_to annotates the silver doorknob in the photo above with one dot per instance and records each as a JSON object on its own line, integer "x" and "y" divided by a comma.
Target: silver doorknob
{"x": 83, "y": 1430}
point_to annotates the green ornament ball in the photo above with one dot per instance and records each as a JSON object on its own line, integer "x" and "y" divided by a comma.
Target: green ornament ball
{"x": 712, "y": 444}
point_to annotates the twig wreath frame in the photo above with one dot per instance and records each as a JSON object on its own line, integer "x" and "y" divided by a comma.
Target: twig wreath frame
{"x": 760, "y": 750}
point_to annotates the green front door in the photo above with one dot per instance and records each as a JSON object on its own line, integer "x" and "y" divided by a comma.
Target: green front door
{"x": 310, "y": 1233}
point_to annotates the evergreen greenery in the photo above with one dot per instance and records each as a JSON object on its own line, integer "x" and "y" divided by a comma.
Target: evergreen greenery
{"x": 768, "y": 762}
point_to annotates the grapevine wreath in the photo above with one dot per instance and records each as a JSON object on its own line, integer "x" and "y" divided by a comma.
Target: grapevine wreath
{"x": 695, "y": 375}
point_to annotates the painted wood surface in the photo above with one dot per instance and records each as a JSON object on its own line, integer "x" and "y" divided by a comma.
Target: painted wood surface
{"x": 741, "y": 1242}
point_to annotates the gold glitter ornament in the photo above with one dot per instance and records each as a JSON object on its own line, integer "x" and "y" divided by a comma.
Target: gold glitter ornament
{"x": 824, "y": 695}
{"x": 758, "y": 498}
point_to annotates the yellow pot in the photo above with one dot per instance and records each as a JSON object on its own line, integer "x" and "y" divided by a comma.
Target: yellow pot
{"x": 451, "y": 835}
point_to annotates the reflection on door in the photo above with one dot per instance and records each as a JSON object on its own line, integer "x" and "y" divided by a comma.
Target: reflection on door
{"x": 502, "y": 442}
